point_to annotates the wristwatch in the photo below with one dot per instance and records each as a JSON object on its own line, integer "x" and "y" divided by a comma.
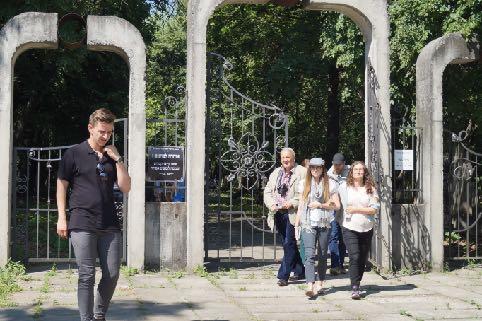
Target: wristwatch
{"x": 120, "y": 160}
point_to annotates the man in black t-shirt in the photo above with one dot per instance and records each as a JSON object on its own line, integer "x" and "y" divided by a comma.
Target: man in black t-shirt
{"x": 90, "y": 169}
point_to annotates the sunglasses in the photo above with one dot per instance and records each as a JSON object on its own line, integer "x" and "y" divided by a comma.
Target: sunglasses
{"x": 101, "y": 170}
{"x": 316, "y": 167}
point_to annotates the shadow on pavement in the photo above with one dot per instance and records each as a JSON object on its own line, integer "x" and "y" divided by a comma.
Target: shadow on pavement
{"x": 369, "y": 289}
{"x": 120, "y": 310}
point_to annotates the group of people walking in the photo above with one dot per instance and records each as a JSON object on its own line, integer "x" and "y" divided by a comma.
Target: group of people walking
{"x": 303, "y": 204}
{"x": 324, "y": 209}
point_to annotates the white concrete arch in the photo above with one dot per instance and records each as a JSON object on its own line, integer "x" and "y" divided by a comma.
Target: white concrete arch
{"x": 372, "y": 18}
{"x": 431, "y": 63}
{"x": 30, "y": 30}
{"x": 34, "y": 30}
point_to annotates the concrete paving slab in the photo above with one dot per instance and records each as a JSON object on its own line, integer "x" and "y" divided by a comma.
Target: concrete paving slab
{"x": 149, "y": 297}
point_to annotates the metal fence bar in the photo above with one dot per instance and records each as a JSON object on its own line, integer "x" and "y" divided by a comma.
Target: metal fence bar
{"x": 38, "y": 204}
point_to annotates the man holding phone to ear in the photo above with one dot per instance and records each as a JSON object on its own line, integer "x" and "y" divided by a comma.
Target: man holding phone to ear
{"x": 90, "y": 169}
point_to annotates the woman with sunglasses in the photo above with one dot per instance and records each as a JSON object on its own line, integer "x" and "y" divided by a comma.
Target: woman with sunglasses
{"x": 315, "y": 212}
{"x": 360, "y": 202}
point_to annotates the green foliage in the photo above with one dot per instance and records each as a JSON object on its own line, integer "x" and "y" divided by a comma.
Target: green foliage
{"x": 128, "y": 271}
{"x": 452, "y": 236}
{"x": 9, "y": 276}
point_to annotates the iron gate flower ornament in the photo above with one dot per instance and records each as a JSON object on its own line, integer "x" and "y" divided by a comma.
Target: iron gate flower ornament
{"x": 247, "y": 160}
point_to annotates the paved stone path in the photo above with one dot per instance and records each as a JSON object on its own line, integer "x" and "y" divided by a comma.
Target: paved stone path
{"x": 252, "y": 294}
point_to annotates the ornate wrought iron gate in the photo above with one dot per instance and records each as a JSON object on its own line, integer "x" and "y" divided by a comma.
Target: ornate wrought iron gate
{"x": 462, "y": 198}
{"x": 243, "y": 140}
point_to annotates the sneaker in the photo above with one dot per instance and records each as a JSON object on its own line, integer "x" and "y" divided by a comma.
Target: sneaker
{"x": 282, "y": 282}
{"x": 296, "y": 277}
{"x": 335, "y": 271}
{"x": 355, "y": 293}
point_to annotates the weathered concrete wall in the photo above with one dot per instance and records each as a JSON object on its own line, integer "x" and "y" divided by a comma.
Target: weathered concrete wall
{"x": 30, "y": 30}
{"x": 410, "y": 236}
{"x": 166, "y": 235}
{"x": 431, "y": 63}
{"x": 106, "y": 33}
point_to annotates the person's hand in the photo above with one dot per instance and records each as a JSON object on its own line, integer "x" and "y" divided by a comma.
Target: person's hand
{"x": 350, "y": 209}
{"x": 274, "y": 208}
{"x": 286, "y": 205}
{"x": 62, "y": 228}
{"x": 112, "y": 152}
{"x": 314, "y": 204}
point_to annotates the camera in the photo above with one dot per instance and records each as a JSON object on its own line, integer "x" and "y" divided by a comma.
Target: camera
{"x": 282, "y": 190}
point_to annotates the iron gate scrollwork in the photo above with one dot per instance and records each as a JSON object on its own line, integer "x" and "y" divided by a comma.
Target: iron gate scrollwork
{"x": 243, "y": 140}
{"x": 462, "y": 193}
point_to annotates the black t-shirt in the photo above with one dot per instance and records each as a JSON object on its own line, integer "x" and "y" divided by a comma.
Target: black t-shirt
{"x": 91, "y": 179}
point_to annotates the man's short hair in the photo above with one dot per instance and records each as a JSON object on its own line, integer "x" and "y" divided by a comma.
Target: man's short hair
{"x": 288, "y": 150}
{"x": 102, "y": 115}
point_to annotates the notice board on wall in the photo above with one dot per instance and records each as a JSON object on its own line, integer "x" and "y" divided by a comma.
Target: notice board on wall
{"x": 165, "y": 163}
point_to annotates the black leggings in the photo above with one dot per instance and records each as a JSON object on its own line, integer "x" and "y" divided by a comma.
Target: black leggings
{"x": 358, "y": 247}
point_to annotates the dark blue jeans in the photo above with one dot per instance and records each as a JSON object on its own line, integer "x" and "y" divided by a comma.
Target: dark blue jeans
{"x": 336, "y": 245}
{"x": 291, "y": 258}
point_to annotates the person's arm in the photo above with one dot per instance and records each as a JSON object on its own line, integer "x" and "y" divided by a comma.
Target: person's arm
{"x": 333, "y": 203}
{"x": 62, "y": 187}
{"x": 123, "y": 178}
{"x": 371, "y": 209}
{"x": 361, "y": 210}
{"x": 268, "y": 196}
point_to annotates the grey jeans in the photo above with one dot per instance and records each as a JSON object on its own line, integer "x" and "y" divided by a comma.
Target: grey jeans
{"x": 88, "y": 246}
{"x": 312, "y": 236}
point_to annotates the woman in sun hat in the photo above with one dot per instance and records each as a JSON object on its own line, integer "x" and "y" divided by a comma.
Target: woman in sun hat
{"x": 318, "y": 199}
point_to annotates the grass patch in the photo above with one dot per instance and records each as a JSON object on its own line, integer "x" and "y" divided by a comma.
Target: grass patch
{"x": 128, "y": 273}
{"x": 405, "y": 313}
{"x": 9, "y": 276}
{"x": 302, "y": 287}
{"x": 213, "y": 278}
{"x": 37, "y": 308}
{"x": 475, "y": 304}
{"x": 45, "y": 288}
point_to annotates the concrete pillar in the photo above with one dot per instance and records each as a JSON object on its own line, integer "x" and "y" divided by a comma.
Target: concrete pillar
{"x": 107, "y": 33}
{"x": 199, "y": 12}
{"x": 372, "y": 18}
{"x": 30, "y": 30}
{"x": 431, "y": 63}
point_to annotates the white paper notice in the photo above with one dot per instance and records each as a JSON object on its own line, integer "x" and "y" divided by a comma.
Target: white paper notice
{"x": 403, "y": 159}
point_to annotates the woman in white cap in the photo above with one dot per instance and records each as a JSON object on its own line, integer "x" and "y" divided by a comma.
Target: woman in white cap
{"x": 315, "y": 212}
